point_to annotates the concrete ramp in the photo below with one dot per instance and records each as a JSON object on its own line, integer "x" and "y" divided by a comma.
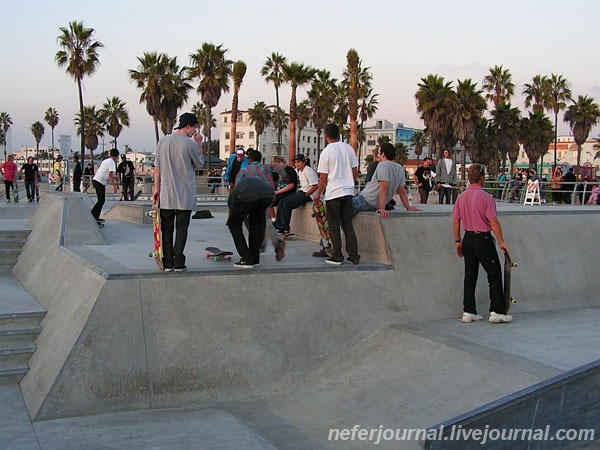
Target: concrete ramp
{"x": 306, "y": 347}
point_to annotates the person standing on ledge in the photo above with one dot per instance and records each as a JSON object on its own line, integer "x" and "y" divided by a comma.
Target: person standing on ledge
{"x": 177, "y": 158}
{"x": 476, "y": 209}
{"x": 105, "y": 173}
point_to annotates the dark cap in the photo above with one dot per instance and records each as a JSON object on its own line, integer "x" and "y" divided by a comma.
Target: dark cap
{"x": 187, "y": 119}
{"x": 299, "y": 158}
{"x": 59, "y": 157}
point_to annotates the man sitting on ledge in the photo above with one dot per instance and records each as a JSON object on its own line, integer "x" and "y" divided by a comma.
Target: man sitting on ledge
{"x": 309, "y": 182}
{"x": 387, "y": 180}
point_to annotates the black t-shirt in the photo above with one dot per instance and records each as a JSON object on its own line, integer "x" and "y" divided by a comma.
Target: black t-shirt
{"x": 292, "y": 178}
{"x": 30, "y": 170}
{"x": 371, "y": 170}
{"x": 126, "y": 169}
{"x": 423, "y": 175}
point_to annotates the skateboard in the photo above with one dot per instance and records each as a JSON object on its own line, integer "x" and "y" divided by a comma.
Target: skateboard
{"x": 321, "y": 216}
{"x": 508, "y": 266}
{"x": 216, "y": 254}
{"x": 157, "y": 254}
{"x": 137, "y": 195}
{"x": 15, "y": 192}
{"x": 287, "y": 236}
{"x": 100, "y": 223}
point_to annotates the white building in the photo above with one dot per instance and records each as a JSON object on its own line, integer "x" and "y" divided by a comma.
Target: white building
{"x": 267, "y": 144}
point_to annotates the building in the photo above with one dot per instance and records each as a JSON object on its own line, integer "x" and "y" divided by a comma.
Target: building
{"x": 306, "y": 144}
{"x": 566, "y": 154}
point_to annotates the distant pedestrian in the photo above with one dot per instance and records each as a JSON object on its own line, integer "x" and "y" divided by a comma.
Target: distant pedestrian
{"x": 445, "y": 174}
{"x": 105, "y": 174}
{"x": 126, "y": 171}
{"x": 9, "y": 173}
{"x": 177, "y": 159}
{"x": 77, "y": 174}
{"x": 338, "y": 172}
{"x": 476, "y": 210}
{"x": 30, "y": 173}
{"x": 237, "y": 161}
{"x": 57, "y": 173}
{"x": 88, "y": 173}
{"x": 422, "y": 179}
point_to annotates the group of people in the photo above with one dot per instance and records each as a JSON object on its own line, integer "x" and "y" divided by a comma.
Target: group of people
{"x": 441, "y": 177}
{"x": 256, "y": 187}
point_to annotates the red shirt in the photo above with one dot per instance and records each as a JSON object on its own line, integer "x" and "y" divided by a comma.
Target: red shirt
{"x": 9, "y": 169}
{"x": 475, "y": 208}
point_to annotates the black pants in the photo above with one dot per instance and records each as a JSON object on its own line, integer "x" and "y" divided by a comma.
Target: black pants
{"x": 257, "y": 222}
{"x": 480, "y": 248}
{"x": 128, "y": 188}
{"x": 76, "y": 185}
{"x": 101, "y": 194}
{"x": 423, "y": 195}
{"x": 7, "y": 187}
{"x": 178, "y": 221}
{"x": 339, "y": 214}
{"x": 446, "y": 192}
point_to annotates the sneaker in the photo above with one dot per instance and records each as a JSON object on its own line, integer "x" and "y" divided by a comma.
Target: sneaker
{"x": 283, "y": 230}
{"x": 280, "y": 250}
{"x": 500, "y": 318}
{"x": 244, "y": 264}
{"x": 354, "y": 260}
{"x": 169, "y": 269}
{"x": 468, "y": 317}
{"x": 180, "y": 269}
{"x": 334, "y": 261}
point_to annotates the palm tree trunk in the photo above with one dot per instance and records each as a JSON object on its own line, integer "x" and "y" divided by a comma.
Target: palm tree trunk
{"x": 156, "y": 130}
{"x": 82, "y": 125}
{"x": 354, "y": 135}
{"x": 52, "y": 142}
{"x": 279, "y": 130}
{"x": 208, "y": 116}
{"x": 578, "y": 161}
{"x": 555, "y": 136}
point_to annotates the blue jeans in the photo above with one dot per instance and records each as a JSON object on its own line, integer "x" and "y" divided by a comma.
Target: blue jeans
{"x": 339, "y": 216}
{"x": 360, "y": 204}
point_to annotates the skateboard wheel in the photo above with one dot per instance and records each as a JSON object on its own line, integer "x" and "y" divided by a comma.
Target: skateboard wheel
{"x": 229, "y": 258}
{"x": 513, "y": 300}
{"x": 515, "y": 264}
{"x": 151, "y": 255}
{"x": 207, "y": 255}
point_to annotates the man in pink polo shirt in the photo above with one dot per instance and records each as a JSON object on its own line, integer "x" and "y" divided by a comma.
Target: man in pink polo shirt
{"x": 476, "y": 209}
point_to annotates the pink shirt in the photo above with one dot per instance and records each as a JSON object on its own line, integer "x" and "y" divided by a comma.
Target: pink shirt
{"x": 9, "y": 169}
{"x": 475, "y": 208}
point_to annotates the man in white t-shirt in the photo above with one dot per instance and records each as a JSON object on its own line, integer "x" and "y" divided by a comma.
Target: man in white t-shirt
{"x": 388, "y": 179}
{"x": 308, "y": 182}
{"x": 104, "y": 175}
{"x": 338, "y": 171}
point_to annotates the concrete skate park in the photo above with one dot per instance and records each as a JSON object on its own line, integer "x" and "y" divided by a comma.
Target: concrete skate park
{"x": 277, "y": 356}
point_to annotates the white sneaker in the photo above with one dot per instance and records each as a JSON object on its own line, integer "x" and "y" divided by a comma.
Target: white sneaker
{"x": 500, "y": 318}
{"x": 468, "y": 317}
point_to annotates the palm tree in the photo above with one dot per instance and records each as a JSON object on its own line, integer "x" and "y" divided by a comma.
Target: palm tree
{"x": 366, "y": 110}
{"x": 199, "y": 111}
{"x": 558, "y": 92}
{"x": 535, "y": 93}
{"x": 80, "y": 56}
{"x": 175, "y": 91}
{"x": 5, "y": 123}
{"x": 115, "y": 117}
{"x": 296, "y": 74}
{"x": 434, "y": 103}
{"x": 340, "y": 104}
{"x": 581, "y": 116}
{"x": 419, "y": 141}
{"x": 51, "y": 118}
{"x": 272, "y": 71}
{"x": 93, "y": 127}
{"x": 213, "y": 70}
{"x": 321, "y": 97}
{"x": 37, "y": 129}
{"x": 237, "y": 75}
{"x": 303, "y": 118}
{"x": 261, "y": 117}
{"x": 351, "y": 74}
{"x": 506, "y": 120}
{"x": 401, "y": 152}
{"x": 468, "y": 106}
{"x": 535, "y": 133}
{"x": 498, "y": 85}
{"x": 149, "y": 77}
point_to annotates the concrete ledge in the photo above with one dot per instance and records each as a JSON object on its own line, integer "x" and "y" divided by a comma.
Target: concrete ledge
{"x": 130, "y": 211}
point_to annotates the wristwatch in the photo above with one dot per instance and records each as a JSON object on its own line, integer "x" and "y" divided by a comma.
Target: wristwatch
{"x": 458, "y": 240}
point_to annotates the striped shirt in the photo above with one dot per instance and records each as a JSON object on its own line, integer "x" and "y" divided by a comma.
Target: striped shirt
{"x": 264, "y": 172}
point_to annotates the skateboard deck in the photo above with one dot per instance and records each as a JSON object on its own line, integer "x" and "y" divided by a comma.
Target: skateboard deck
{"x": 137, "y": 195}
{"x": 287, "y": 236}
{"x": 157, "y": 254}
{"x": 216, "y": 254}
{"x": 321, "y": 216}
{"x": 508, "y": 266}
{"x": 15, "y": 192}
{"x": 100, "y": 223}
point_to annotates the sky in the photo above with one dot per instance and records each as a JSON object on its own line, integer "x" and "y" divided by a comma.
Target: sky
{"x": 401, "y": 41}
